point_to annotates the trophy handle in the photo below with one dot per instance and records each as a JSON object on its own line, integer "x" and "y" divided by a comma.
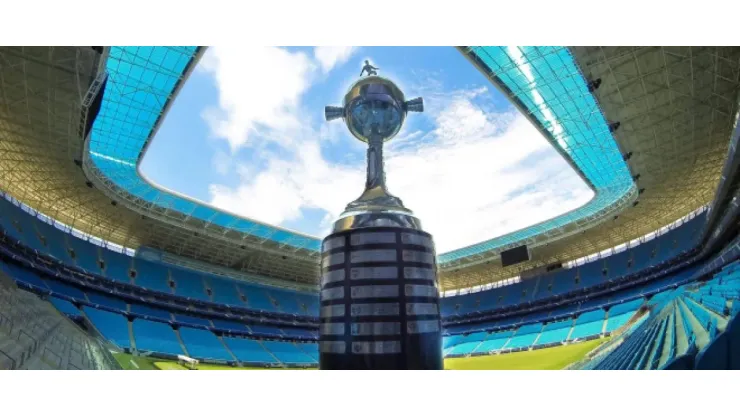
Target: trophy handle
{"x": 333, "y": 113}
{"x": 416, "y": 105}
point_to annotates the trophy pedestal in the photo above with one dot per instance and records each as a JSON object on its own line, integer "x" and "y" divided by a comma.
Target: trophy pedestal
{"x": 379, "y": 300}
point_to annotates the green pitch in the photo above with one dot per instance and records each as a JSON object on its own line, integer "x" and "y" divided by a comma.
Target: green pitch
{"x": 132, "y": 362}
{"x": 553, "y": 358}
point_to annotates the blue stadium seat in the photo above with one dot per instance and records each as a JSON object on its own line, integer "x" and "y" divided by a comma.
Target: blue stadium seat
{"x": 591, "y": 274}
{"x": 203, "y": 344}
{"x": 23, "y": 228}
{"x": 733, "y": 341}
{"x": 117, "y": 265}
{"x": 64, "y": 289}
{"x": 249, "y": 351}
{"x": 112, "y": 326}
{"x": 287, "y": 352}
{"x": 151, "y": 276}
{"x": 224, "y": 291}
{"x": 451, "y": 340}
{"x": 521, "y": 341}
{"x": 65, "y": 307}
{"x": 617, "y": 321}
{"x": 192, "y": 320}
{"x": 299, "y": 332}
{"x": 108, "y": 301}
{"x": 151, "y": 311}
{"x": 22, "y": 274}
{"x": 564, "y": 281}
{"x": 312, "y": 349}
{"x": 495, "y": 341}
{"x": 189, "y": 284}
{"x": 286, "y": 301}
{"x": 630, "y": 306}
{"x": 256, "y": 297}
{"x": 464, "y": 348}
{"x": 616, "y": 265}
{"x": 535, "y": 328}
{"x": 229, "y": 325}
{"x": 156, "y": 337}
{"x": 588, "y": 324}
{"x": 555, "y": 332}
{"x": 309, "y": 304}
{"x": 264, "y": 330}
{"x": 714, "y": 356}
{"x": 86, "y": 255}
{"x": 53, "y": 241}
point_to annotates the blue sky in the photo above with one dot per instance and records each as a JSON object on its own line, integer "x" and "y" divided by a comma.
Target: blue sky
{"x": 247, "y": 134}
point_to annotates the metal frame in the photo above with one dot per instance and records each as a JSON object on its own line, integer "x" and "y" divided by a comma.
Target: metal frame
{"x": 678, "y": 148}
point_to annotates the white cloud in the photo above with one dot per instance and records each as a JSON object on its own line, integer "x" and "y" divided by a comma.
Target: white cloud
{"x": 484, "y": 176}
{"x": 474, "y": 176}
{"x": 259, "y": 90}
{"x": 221, "y": 162}
{"x": 330, "y": 56}
{"x": 481, "y": 176}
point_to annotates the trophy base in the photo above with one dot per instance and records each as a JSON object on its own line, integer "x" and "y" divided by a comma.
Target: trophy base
{"x": 379, "y": 301}
{"x": 380, "y": 217}
{"x": 377, "y": 198}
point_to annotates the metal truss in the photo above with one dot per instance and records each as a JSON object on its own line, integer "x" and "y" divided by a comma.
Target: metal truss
{"x": 676, "y": 107}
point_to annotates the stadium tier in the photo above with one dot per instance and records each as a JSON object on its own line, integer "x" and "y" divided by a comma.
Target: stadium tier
{"x": 195, "y": 286}
{"x": 155, "y": 337}
{"x": 133, "y": 324}
{"x": 652, "y": 254}
{"x": 34, "y": 335}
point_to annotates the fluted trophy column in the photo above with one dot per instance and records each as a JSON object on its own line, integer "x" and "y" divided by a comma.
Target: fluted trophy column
{"x": 375, "y": 170}
{"x": 379, "y": 289}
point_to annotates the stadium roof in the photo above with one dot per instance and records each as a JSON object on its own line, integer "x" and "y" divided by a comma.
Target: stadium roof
{"x": 670, "y": 125}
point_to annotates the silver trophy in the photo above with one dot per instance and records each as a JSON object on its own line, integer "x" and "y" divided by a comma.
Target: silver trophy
{"x": 374, "y": 109}
{"x": 379, "y": 291}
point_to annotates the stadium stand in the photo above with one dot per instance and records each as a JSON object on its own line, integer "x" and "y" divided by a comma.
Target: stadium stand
{"x": 534, "y": 329}
{"x": 107, "y": 302}
{"x": 189, "y": 284}
{"x": 682, "y": 333}
{"x": 590, "y": 274}
{"x": 588, "y": 324}
{"x": 149, "y": 276}
{"x": 65, "y": 307}
{"x": 299, "y": 333}
{"x": 525, "y": 336}
{"x": 204, "y": 344}
{"x": 250, "y": 351}
{"x": 194, "y": 320}
{"x": 118, "y": 266}
{"x": 495, "y": 342}
{"x": 156, "y": 337}
{"x": 148, "y": 311}
{"x": 668, "y": 302}
{"x": 265, "y": 330}
{"x": 66, "y": 290}
{"x": 113, "y": 326}
{"x": 34, "y": 336}
{"x": 555, "y": 332}
{"x": 230, "y": 326}
{"x": 225, "y": 292}
{"x": 620, "y": 314}
{"x": 312, "y": 349}
{"x": 288, "y": 352}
